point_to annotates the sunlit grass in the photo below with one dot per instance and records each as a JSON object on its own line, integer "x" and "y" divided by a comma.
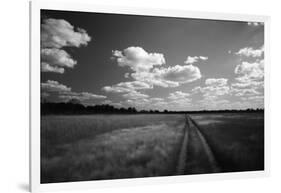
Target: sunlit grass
{"x": 109, "y": 147}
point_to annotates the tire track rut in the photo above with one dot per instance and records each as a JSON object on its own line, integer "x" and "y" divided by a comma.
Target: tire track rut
{"x": 196, "y": 156}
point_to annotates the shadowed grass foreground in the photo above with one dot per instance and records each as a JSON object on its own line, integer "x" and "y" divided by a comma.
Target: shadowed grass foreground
{"x": 237, "y": 139}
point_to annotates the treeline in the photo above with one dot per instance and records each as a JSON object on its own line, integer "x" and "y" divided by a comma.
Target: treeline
{"x": 69, "y": 108}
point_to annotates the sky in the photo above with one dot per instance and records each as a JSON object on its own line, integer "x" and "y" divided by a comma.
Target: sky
{"x": 151, "y": 62}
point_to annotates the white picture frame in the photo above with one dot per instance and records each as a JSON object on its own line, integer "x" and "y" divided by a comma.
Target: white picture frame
{"x": 35, "y": 7}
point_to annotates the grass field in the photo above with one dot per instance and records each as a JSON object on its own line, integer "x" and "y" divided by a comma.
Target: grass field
{"x": 96, "y": 147}
{"x": 237, "y": 139}
{"x": 93, "y": 147}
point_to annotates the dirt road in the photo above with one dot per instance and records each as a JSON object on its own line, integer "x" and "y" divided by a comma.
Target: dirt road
{"x": 196, "y": 156}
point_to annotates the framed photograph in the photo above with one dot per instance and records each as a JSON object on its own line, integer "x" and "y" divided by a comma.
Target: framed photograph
{"x": 123, "y": 96}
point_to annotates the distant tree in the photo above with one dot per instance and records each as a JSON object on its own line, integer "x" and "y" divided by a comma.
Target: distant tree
{"x": 132, "y": 110}
{"x": 74, "y": 101}
{"x": 44, "y": 100}
{"x": 74, "y": 106}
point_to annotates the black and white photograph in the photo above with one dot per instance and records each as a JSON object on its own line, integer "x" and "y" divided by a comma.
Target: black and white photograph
{"x": 135, "y": 96}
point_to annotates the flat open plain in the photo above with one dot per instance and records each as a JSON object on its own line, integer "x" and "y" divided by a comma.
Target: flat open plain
{"x": 96, "y": 147}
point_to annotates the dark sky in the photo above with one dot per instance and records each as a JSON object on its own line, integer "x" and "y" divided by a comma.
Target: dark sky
{"x": 231, "y": 58}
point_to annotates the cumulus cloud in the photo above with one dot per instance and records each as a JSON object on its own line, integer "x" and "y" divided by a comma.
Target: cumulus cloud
{"x": 127, "y": 87}
{"x": 169, "y": 77}
{"x": 193, "y": 59}
{"x": 155, "y": 99}
{"x": 44, "y": 95}
{"x": 250, "y": 75}
{"x": 54, "y": 86}
{"x": 138, "y": 59}
{"x": 249, "y": 71}
{"x": 247, "y": 84}
{"x": 178, "y": 74}
{"x": 54, "y": 60}
{"x": 45, "y": 67}
{"x": 148, "y": 71}
{"x": 256, "y": 98}
{"x": 215, "y": 95}
{"x": 57, "y": 57}
{"x": 64, "y": 92}
{"x": 56, "y": 34}
{"x": 244, "y": 91}
{"x": 115, "y": 89}
{"x": 177, "y": 100}
{"x": 251, "y": 52}
{"x": 81, "y": 96}
{"x": 214, "y": 88}
{"x": 249, "y": 80}
{"x": 127, "y": 75}
{"x": 153, "y": 78}
{"x": 212, "y": 97}
{"x": 178, "y": 95}
{"x": 135, "y": 95}
{"x": 216, "y": 81}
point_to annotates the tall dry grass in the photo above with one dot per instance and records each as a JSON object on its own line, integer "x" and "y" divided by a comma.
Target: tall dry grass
{"x": 76, "y": 148}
